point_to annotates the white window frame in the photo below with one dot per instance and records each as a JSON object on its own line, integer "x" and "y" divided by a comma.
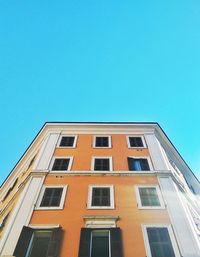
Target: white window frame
{"x": 108, "y": 240}
{"x": 135, "y": 147}
{"x": 102, "y": 157}
{"x": 109, "y": 141}
{"x": 61, "y": 157}
{"x": 112, "y": 200}
{"x": 63, "y": 135}
{"x": 38, "y": 207}
{"x": 143, "y": 157}
{"x": 138, "y": 198}
{"x": 171, "y": 235}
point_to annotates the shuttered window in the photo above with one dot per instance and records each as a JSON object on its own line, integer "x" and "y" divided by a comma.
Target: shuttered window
{"x": 102, "y": 142}
{"x": 61, "y": 164}
{"x": 52, "y": 197}
{"x": 95, "y": 242}
{"x": 136, "y": 164}
{"x": 135, "y": 142}
{"x": 38, "y": 243}
{"x": 149, "y": 196}
{"x": 160, "y": 242}
{"x": 100, "y": 196}
{"x": 100, "y": 243}
{"x": 102, "y": 164}
{"x": 67, "y": 141}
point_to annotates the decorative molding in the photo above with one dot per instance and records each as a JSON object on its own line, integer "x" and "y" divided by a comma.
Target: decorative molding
{"x": 100, "y": 221}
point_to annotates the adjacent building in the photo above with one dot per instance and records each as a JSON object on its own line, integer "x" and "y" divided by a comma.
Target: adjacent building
{"x": 100, "y": 190}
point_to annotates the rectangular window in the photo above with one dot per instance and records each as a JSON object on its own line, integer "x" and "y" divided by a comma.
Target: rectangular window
{"x": 136, "y": 142}
{"x": 138, "y": 164}
{"x": 100, "y": 242}
{"x": 102, "y": 163}
{"x": 67, "y": 141}
{"x": 61, "y": 164}
{"x": 52, "y": 197}
{"x": 160, "y": 241}
{"x": 101, "y": 196}
{"x": 100, "y": 245}
{"x": 149, "y": 197}
{"x": 38, "y": 243}
{"x": 102, "y": 142}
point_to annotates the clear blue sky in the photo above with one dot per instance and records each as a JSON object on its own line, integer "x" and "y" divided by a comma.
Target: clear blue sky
{"x": 102, "y": 60}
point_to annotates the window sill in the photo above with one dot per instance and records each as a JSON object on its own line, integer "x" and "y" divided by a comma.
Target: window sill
{"x": 151, "y": 208}
{"x": 101, "y": 208}
{"x": 66, "y": 147}
{"x": 48, "y": 208}
{"x": 104, "y": 147}
{"x": 137, "y": 147}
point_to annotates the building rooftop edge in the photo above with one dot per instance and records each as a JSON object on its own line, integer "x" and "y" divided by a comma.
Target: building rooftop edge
{"x": 156, "y": 124}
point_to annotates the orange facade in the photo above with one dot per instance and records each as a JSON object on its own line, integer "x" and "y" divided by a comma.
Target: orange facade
{"x": 84, "y": 151}
{"x": 70, "y": 218}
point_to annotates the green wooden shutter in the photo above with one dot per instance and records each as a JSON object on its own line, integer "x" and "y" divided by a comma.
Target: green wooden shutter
{"x": 130, "y": 163}
{"x": 116, "y": 242}
{"x": 23, "y": 242}
{"x": 84, "y": 246}
{"x": 55, "y": 243}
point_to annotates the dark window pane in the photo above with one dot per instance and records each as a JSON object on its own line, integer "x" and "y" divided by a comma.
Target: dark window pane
{"x": 136, "y": 142}
{"x": 101, "y": 197}
{"x": 67, "y": 141}
{"x": 149, "y": 197}
{"x": 102, "y": 142}
{"x": 40, "y": 244}
{"x": 60, "y": 164}
{"x": 100, "y": 244}
{"x": 52, "y": 197}
{"x": 160, "y": 243}
{"x": 144, "y": 164}
{"x": 102, "y": 164}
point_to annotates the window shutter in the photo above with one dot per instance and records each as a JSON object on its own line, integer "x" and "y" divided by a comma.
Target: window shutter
{"x": 130, "y": 163}
{"x": 144, "y": 164}
{"x": 55, "y": 242}
{"x": 23, "y": 242}
{"x": 116, "y": 242}
{"x": 84, "y": 246}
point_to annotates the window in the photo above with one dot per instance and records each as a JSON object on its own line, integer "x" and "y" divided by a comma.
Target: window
{"x": 102, "y": 163}
{"x": 2, "y": 224}
{"x": 43, "y": 242}
{"x": 100, "y": 245}
{"x": 160, "y": 242}
{"x": 10, "y": 190}
{"x": 104, "y": 242}
{"x": 138, "y": 164}
{"x": 52, "y": 197}
{"x": 136, "y": 142}
{"x": 102, "y": 142}
{"x": 67, "y": 141}
{"x": 101, "y": 197}
{"x": 61, "y": 163}
{"x": 149, "y": 197}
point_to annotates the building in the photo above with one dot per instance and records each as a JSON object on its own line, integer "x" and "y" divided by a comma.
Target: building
{"x": 100, "y": 190}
